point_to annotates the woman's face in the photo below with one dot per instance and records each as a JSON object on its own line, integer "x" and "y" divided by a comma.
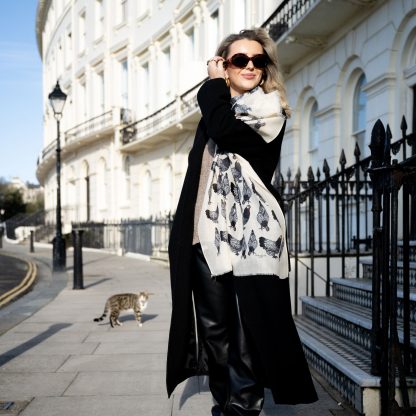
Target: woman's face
{"x": 244, "y": 79}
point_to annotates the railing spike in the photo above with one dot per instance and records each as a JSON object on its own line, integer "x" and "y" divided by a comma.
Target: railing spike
{"x": 296, "y": 181}
{"x": 387, "y": 146}
{"x": 326, "y": 168}
{"x": 318, "y": 173}
{"x": 403, "y": 126}
{"x": 377, "y": 143}
{"x": 289, "y": 173}
{"x": 357, "y": 151}
{"x": 311, "y": 177}
{"x": 342, "y": 158}
{"x": 388, "y": 133}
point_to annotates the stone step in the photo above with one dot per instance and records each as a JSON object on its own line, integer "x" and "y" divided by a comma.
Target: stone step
{"x": 344, "y": 365}
{"x": 350, "y": 321}
{"x": 367, "y": 265}
{"x": 412, "y": 250}
{"x": 359, "y": 292}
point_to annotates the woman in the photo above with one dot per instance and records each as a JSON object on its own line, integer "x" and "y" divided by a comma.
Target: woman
{"x": 231, "y": 313}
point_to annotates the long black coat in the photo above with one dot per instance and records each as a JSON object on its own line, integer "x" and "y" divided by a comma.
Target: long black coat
{"x": 264, "y": 300}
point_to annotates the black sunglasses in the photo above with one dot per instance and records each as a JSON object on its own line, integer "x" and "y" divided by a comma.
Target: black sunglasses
{"x": 241, "y": 60}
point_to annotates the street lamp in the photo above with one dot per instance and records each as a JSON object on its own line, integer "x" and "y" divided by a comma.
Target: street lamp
{"x": 57, "y": 100}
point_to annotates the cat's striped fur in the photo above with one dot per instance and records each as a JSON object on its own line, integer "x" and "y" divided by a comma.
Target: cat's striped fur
{"x": 123, "y": 301}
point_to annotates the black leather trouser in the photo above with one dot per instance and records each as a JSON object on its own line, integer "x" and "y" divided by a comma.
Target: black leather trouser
{"x": 231, "y": 376}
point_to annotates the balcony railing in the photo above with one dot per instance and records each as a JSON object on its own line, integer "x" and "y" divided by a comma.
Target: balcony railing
{"x": 171, "y": 114}
{"x": 286, "y": 16}
{"x": 109, "y": 119}
{"x": 91, "y": 127}
{"x": 47, "y": 151}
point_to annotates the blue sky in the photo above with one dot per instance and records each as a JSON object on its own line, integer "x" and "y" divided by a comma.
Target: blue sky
{"x": 21, "y": 126}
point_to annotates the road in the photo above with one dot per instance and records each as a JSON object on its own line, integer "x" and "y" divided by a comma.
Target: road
{"x": 12, "y": 272}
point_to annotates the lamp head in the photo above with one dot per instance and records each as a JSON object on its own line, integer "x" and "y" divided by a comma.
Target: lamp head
{"x": 57, "y": 99}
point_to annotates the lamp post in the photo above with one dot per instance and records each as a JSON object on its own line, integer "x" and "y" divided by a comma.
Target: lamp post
{"x": 57, "y": 100}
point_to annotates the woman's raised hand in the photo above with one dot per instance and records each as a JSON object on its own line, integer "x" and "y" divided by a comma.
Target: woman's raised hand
{"x": 215, "y": 67}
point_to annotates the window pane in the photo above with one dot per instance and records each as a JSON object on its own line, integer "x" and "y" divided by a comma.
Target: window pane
{"x": 314, "y": 128}
{"x": 360, "y": 105}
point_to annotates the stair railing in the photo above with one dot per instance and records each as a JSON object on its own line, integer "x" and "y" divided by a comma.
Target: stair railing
{"x": 394, "y": 193}
{"x": 328, "y": 218}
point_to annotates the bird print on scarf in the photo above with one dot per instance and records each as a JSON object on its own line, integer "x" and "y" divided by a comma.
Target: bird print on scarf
{"x": 212, "y": 215}
{"x": 243, "y": 229}
{"x": 236, "y": 211}
{"x": 263, "y": 217}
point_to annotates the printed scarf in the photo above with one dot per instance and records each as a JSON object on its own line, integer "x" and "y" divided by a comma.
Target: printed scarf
{"x": 242, "y": 227}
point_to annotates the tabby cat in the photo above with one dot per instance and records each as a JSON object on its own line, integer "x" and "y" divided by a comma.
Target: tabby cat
{"x": 124, "y": 301}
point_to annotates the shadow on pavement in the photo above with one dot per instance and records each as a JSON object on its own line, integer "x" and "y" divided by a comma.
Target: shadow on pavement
{"x": 100, "y": 259}
{"x": 125, "y": 318}
{"x": 14, "y": 352}
{"x": 97, "y": 282}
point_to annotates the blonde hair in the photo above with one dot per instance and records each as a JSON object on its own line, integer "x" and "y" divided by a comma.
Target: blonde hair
{"x": 272, "y": 77}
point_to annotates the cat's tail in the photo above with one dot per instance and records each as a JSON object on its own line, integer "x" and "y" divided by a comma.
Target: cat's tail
{"x": 102, "y": 317}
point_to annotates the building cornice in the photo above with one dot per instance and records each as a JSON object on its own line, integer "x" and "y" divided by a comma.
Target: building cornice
{"x": 41, "y": 14}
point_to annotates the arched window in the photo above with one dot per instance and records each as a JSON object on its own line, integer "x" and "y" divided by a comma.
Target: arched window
{"x": 314, "y": 128}
{"x": 147, "y": 194}
{"x": 101, "y": 183}
{"x": 126, "y": 168}
{"x": 85, "y": 214}
{"x": 71, "y": 193}
{"x": 167, "y": 197}
{"x": 359, "y": 111}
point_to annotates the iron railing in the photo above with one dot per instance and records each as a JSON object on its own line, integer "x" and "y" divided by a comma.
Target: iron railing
{"x": 328, "y": 217}
{"x": 170, "y": 114}
{"x": 286, "y": 16}
{"x": 108, "y": 119}
{"x": 143, "y": 236}
{"x": 32, "y": 220}
{"x": 367, "y": 209}
{"x": 394, "y": 197}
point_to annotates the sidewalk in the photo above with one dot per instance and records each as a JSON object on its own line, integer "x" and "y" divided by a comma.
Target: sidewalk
{"x": 54, "y": 360}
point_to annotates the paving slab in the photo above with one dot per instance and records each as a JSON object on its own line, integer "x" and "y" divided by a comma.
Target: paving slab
{"x": 114, "y": 362}
{"x": 54, "y": 360}
{"x": 24, "y": 386}
{"x": 25, "y": 363}
{"x": 99, "y": 406}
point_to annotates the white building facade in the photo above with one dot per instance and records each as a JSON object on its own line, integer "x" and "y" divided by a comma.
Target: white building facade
{"x": 121, "y": 61}
{"x": 132, "y": 68}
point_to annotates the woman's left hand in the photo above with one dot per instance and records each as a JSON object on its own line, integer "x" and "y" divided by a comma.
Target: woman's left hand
{"x": 215, "y": 67}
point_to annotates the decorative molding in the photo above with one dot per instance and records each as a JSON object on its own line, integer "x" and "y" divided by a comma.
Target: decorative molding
{"x": 328, "y": 111}
{"x": 361, "y": 2}
{"x": 380, "y": 83}
{"x": 409, "y": 72}
{"x": 309, "y": 41}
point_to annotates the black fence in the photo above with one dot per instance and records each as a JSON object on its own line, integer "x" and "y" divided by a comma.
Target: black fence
{"x": 367, "y": 209}
{"x": 32, "y": 221}
{"x": 394, "y": 219}
{"x": 143, "y": 236}
{"x": 328, "y": 217}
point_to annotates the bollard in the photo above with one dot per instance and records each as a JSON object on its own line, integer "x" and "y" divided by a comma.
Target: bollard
{"x": 78, "y": 272}
{"x": 32, "y": 239}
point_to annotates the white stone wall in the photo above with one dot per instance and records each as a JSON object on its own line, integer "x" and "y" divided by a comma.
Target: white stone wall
{"x": 82, "y": 40}
{"x": 156, "y": 39}
{"x": 380, "y": 43}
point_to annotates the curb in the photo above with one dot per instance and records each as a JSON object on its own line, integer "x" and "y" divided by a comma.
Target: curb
{"x": 23, "y": 286}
